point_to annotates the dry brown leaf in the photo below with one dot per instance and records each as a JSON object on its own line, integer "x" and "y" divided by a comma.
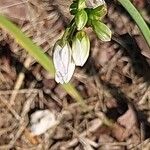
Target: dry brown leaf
{"x": 118, "y": 132}
{"x": 128, "y": 119}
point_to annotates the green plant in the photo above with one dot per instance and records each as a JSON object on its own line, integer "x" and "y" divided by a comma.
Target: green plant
{"x": 74, "y": 46}
{"x": 62, "y": 50}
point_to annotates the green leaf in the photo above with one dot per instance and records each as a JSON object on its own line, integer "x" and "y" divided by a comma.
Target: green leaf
{"x": 96, "y": 14}
{"x": 73, "y": 8}
{"x": 101, "y": 30}
{"x": 81, "y": 19}
{"x": 76, "y": 6}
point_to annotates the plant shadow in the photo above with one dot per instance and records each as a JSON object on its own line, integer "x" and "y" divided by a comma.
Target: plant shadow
{"x": 13, "y": 61}
{"x": 139, "y": 63}
{"x": 122, "y": 106}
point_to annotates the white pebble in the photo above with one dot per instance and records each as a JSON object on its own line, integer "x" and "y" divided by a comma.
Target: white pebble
{"x": 41, "y": 121}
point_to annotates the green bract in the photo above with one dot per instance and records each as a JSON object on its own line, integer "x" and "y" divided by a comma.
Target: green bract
{"x": 76, "y": 6}
{"x": 81, "y": 4}
{"x": 80, "y": 48}
{"x": 97, "y": 13}
{"x": 101, "y": 30}
{"x": 81, "y": 19}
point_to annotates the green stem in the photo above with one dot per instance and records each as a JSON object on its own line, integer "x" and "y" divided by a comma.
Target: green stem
{"x": 137, "y": 18}
{"x": 67, "y": 36}
{"x": 36, "y": 52}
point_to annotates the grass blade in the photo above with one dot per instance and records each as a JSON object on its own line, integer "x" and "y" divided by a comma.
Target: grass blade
{"x": 137, "y": 18}
{"x": 37, "y": 52}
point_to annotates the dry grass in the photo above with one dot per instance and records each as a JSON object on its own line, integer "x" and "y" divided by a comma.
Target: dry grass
{"x": 114, "y": 84}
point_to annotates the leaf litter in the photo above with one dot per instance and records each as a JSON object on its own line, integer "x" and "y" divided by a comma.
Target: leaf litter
{"x": 114, "y": 83}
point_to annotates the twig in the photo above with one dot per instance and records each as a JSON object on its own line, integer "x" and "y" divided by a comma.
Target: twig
{"x": 19, "y": 81}
{"x": 15, "y": 114}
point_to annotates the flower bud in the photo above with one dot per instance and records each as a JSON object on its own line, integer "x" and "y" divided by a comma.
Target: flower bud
{"x": 94, "y": 3}
{"x": 63, "y": 62}
{"x": 80, "y": 48}
{"x": 101, "y": 30}
{"x": 81, "y": 19}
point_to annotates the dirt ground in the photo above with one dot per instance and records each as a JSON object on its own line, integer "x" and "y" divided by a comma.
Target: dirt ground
{"x": 115, "y": 82}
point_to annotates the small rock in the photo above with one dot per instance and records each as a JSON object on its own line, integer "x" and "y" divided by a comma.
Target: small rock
{"x": 41, "y": 121}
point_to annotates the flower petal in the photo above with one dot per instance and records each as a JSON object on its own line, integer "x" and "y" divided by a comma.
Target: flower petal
{"x": 59, "y": 78}
{"x": 71, "y": 69}
{"x": 80, "y": 48}
{"x": 65, "y": 58}
{"x": 86, "y": 49}
{"x": 76, "y": 52}
{"x": 63, "y": 63}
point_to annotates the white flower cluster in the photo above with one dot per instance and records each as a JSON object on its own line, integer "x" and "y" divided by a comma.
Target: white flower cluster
{"x": 73, "y": 49}
{"x": 66, "y": 57}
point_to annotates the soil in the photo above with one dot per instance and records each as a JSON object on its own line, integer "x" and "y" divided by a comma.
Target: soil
{"x": 115, "y": 82}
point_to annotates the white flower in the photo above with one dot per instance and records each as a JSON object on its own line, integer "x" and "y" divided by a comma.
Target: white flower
{"x": 63, "y": 62}
{"x": 80, "y": 48}
{"x": 94, "y": 3}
